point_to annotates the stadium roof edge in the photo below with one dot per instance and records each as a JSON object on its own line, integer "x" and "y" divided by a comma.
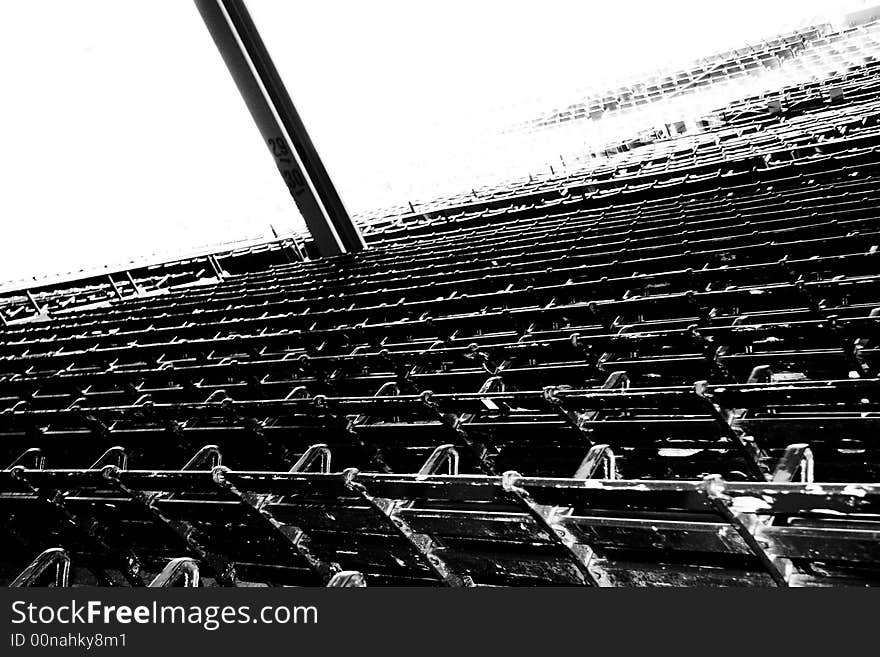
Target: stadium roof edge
{"x": 155, "y": 260}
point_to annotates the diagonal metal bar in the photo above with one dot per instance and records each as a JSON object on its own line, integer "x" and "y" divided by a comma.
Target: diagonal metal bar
{"x": 247, "y": 58}
{"x": 423, "y": 544}
{"x": 713, "y": 489}
{"x": 723, "y": 417}
{"x": 347, "y": 579}
{"x": 293, "y": 537}
{"x": 579, "y": 555}
{"x": 223, "y": 569}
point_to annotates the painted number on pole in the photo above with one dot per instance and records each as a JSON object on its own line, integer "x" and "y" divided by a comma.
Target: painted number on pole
{"x": 284, "y": 159}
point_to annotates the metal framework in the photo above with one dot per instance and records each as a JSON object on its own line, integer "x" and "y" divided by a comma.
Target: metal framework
{"x": 239, "y": 42}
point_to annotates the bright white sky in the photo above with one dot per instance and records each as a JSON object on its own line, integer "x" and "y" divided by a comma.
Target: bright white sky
{"x": 122, "y": 134}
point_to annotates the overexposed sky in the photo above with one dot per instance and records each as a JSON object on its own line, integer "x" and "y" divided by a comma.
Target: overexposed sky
{"x": 122, "y": 134}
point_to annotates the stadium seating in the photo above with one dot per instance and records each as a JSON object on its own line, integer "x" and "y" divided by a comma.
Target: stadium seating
{"x": 459, "y": 530}
{"x": 44, "y": 297}
{"x": 833, "y": 67}
{"x": 769, "y": 54}
{"x": 661, "y": 369}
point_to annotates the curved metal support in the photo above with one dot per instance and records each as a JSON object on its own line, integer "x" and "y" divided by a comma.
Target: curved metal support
{"x": 600, "y": 459}
{"x": 182, "y": 570}
{"x": 617, "y": 379}
{"x": 113, "y": 456}
{"x": 209, "y": 456}
{"x": 32, "y": 459}
{"x": 796, "y": 460}
{"x": 216, "y": 396}
{"x": 300, "y": 392}
{"x": 319, "y": 454}
{"x": 348, "y": 579}
{"x": 760, "y": 374}
{"x": 52, "y": 558}
{"x": 143, "y": 400}
{"x": 493, "y": 384}
{"x": 443, "y": 455}
{"x": 388, "y": 389}
{"x": 490, "y": 385}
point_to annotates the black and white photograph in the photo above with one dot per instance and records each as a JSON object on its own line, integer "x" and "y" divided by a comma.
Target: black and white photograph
{"x": 410, "y": 295}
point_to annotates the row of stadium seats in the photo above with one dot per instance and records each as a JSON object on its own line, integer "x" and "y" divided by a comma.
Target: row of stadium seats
{"x": 40, "y": 299}
{"x": 303, "y": 528}
{"x": 822, "y": 107}
{"x": 768, "y": 54}
{"x": 801, "y": 57}
{"x": 633, "y": 375}
{"x": 52, "y": 568}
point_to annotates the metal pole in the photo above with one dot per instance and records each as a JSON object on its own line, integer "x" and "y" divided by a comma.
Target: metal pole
{"x": 239, "y": 42}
